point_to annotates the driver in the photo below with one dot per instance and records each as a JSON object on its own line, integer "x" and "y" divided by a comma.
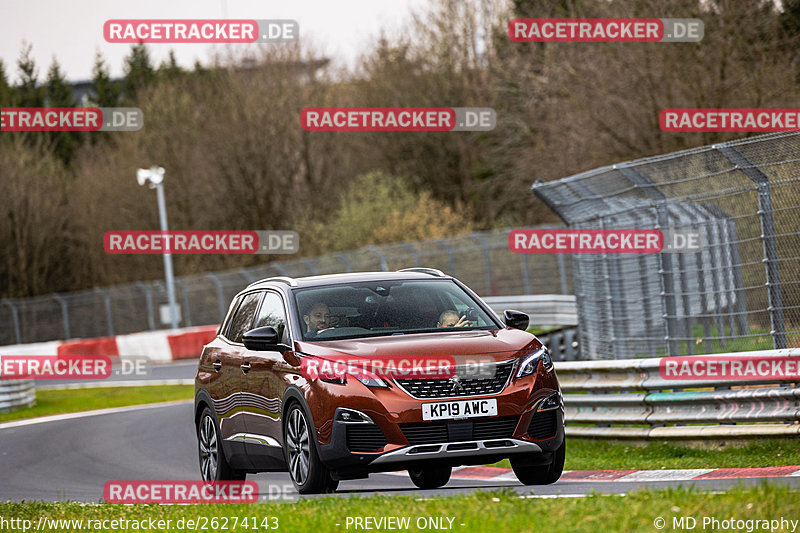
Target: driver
{"x": 317, "y": 318}
{"x": 450, "y": 319}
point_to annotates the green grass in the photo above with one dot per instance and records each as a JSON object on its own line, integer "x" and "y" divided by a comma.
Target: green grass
{"x": 587, "y": 454}
{"x": 480, "y": 512}
{"x": 52, "y": 402}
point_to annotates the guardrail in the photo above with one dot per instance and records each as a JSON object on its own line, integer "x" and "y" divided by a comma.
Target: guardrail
{"x": 544, "y": 309}
{"x": 629, "y": 399}
{"x": 16, "y": 393}
{"x": 562, "y": 343}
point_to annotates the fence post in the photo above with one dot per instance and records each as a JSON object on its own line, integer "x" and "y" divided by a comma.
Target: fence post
{"x": 487, "y": 264}
{"x": 450, "y": 260}
{"x": 64, "y": 314}
{"x": 220, "y": 295}
{"x": 14, "y": 319}
{"x": 381, "y": 259}
{"x": 107, "y": 304}
{"x": 187, "y": 315}
{"x": 768, "y": 242}
{"x": 414, "y": 252}
{"x": 562, "y": 273}
{"x": 348, "y": 265}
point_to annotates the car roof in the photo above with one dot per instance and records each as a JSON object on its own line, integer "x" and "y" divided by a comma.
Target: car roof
{"x": 333, "y": 279}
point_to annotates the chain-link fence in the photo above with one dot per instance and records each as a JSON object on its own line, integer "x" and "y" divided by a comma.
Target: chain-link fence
{"x": 739, "y": 291}
{"x": 481, "y": 260}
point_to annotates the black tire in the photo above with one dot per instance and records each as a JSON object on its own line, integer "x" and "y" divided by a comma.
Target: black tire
{"x": 213, "y": 464}
{"x": 430, "y": 477}
{"x": 308, "y": 473}
{"x": 541, "y": 474}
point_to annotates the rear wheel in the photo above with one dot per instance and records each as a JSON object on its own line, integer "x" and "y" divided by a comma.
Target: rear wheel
{"x": 541, "y": 474}
{"x": 308, "y": 473}
{"x": 213, "y": 465}
{"x": 431, "y": 477}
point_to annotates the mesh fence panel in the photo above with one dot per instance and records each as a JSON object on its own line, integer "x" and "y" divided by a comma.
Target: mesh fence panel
{"x": 481, "y": 260}
{"x": 739, "y": 291}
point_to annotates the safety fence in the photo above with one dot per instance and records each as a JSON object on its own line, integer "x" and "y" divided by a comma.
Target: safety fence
{"x": 738, "y": 290}
{"x": 16, "y": 393}
{"x": 630, "y": 399}
{"x": 481, "y": 260}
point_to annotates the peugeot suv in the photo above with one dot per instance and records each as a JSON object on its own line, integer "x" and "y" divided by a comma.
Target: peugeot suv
{"x": 335, "y": 377}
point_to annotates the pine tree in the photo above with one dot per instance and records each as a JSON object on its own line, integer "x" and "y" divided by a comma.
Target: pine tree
{"x": 7, "y": 96}
{"x": 169, "y": 69}
{"x": 59, "y": 94}
{"x": 106, "y": 91}
{"x": 29, "y": 92}
{"x": 139, "y": 70}
{"x": 57, "y": 91}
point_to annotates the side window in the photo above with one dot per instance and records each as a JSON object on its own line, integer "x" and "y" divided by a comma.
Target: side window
{"x": 243, "y": 321}
{"x": 273, "y": 314}
{"x": 225, "y": 326}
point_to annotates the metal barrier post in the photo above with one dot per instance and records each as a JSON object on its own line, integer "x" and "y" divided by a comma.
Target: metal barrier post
{"x": 220, "y": 295}
{"x": 187, "y": 316}
{"x": 414, "y": 252}
{"x": 768, "y": 242}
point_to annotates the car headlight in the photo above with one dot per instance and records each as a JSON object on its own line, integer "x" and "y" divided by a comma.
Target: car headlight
{"x": 373, "y": 382}
{"x": 530, "y": 362}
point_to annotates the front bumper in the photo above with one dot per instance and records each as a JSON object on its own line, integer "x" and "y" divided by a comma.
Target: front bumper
{"x": 345, "y": 463}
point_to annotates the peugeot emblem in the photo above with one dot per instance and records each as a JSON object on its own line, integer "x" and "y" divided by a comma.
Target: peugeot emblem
{"x": 455, "y": 384}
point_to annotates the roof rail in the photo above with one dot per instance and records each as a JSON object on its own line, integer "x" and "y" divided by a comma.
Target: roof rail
{"x": 283, "y": 279}
{"x": 423, "y": 270}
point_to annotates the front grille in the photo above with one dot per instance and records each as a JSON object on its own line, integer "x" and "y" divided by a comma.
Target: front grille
{"x": 543, "y": 425}
{"x": 462, "y": 430}
{"x": 443, "y": 388}
{"x": 365, "y": 438}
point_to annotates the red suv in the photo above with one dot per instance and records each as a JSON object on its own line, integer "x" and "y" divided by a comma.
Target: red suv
{"x": 333, "y": 377}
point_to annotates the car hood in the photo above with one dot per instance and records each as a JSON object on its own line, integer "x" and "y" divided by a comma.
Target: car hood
{"x": 501, "y": 344}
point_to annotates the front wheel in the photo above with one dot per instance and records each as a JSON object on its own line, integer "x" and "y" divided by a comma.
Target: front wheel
{"x": 430, "y": 477}
{"x": 541, "y": 474}
{"x": 308, "y": 473}
{"x": 213, "y": 465}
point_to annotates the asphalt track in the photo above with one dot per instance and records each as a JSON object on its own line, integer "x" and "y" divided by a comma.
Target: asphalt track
{"x": 72, "y": 459}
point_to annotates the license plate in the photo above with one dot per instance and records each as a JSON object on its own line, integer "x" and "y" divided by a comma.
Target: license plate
{"x": 459, "y": 409}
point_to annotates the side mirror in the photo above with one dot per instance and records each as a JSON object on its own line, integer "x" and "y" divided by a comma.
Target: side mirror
{"x": 516, "y": 319}
{"x": 261, "y": 339}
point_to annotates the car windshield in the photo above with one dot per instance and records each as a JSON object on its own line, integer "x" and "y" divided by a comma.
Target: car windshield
{"x": 366, "y": 309}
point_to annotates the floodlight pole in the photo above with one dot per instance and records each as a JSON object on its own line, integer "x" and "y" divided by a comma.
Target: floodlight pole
{"x": 154, "y": 177}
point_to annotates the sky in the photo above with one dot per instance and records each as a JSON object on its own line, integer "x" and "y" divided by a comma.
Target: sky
{"x": 72, "y": 31}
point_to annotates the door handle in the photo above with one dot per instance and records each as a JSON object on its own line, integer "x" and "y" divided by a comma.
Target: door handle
{"x": 245, "y": 367}
{"x": 217, "y": 365}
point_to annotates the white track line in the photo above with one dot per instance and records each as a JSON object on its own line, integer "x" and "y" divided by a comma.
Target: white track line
{"x": 84, "y": 414}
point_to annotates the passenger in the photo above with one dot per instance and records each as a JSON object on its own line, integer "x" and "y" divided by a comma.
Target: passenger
{"x": 450, "y": 319}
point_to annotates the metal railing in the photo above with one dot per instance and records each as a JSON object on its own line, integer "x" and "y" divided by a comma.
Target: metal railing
{"x": 740, "y": 290}
{"x": 481, "y": 260}
{"x": 16, "y": 393}
{"x": 630, "y": 399}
